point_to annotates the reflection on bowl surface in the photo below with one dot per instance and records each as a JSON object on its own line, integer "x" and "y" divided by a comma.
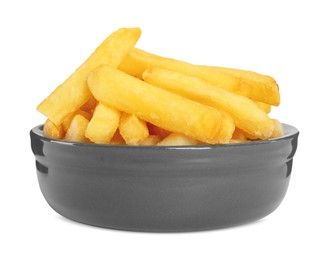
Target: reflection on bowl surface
{"x": 164, "y": 189}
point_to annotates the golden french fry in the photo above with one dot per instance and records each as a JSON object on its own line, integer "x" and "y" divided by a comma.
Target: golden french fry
{"x": 102, "y": 126}
{"x": 76, "y": 131}
{"x": 67, "y": 121}
{"x": 151, "y": 140}
{"x": 248, "y": 75}
{"x": 53, "y": 131}
{"x": 277, "y": 132}
{"x": 137, "y": 61}
{"x": 73, "y": 92}
{"x": 260, "y": 86}
{"x": 177, "y": 139}
{"x": 160, "y": 107}
{"x": 132, "y": 129}
{"x": 247, "y": 116}
{"x": 278, "y": 129}
{"x": 265, "y": 107}
{"x": 250, "y": 136}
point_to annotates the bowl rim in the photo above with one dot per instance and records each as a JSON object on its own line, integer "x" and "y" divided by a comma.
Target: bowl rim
{"x": 289, "y": 133}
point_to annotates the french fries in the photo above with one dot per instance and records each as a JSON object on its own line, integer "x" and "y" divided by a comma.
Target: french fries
{"x": 175, "y": 139}
{"x": 73, "y": 92}
{"x": 137, "y": 61}
{"x": 122, "y": 95}
{"x": 76, "y": 131}
{"x": 246, "y": 114}
{"x": 132, "y": 129}
{"x": 171, "y": 112}
{"x": 151, "y": 140}
{"x": 53, "y": 131}
{"x": 278, "y": 129}
{"x": 261, "y": 87}
{"x": 67, "y": 121}
{"x": 265, "y": 107}
{"x": 103, "y": 124}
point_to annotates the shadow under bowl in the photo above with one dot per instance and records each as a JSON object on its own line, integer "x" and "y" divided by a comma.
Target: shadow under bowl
{"x": 164, "y": 189}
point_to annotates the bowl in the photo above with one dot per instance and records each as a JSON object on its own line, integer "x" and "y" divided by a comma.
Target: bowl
{"x": 164, "y": 189}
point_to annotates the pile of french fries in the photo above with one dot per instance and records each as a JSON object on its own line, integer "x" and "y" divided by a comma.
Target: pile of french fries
{"x": 123, "y": 95}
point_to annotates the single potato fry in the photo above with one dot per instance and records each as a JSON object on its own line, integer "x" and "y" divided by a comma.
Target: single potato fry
{"x": 73, "y": 93}
{"x": 151, "y": 140}
{"x": 260, "y": 85}
{"x": 246, "y": 114}
{"x": 132, "y": 129}
{"x": 137, "y": 61}
{"x": 248, "y": 75}
{"x": 53, "y": 131}
{"x": 175, "y": 139}
{"x": 277, "y": 132}
{"x": 265, "y": 107}
{"x": 67, "y": 121}
{"x": 76, "y": 131}
{"x": 278, "y": 129}
{"x": 104, "y": 122}
{"x": 248, "y": 136}
{"x": 160, "y": 107}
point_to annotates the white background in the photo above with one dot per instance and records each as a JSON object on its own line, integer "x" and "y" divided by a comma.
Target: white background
{"x": 42, "y": 42}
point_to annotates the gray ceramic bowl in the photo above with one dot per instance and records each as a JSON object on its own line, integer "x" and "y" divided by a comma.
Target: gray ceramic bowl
{"x": 165, "y": 189}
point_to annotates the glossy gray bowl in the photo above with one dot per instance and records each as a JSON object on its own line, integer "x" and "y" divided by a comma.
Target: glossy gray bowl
{"x": 164, "y": 189}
